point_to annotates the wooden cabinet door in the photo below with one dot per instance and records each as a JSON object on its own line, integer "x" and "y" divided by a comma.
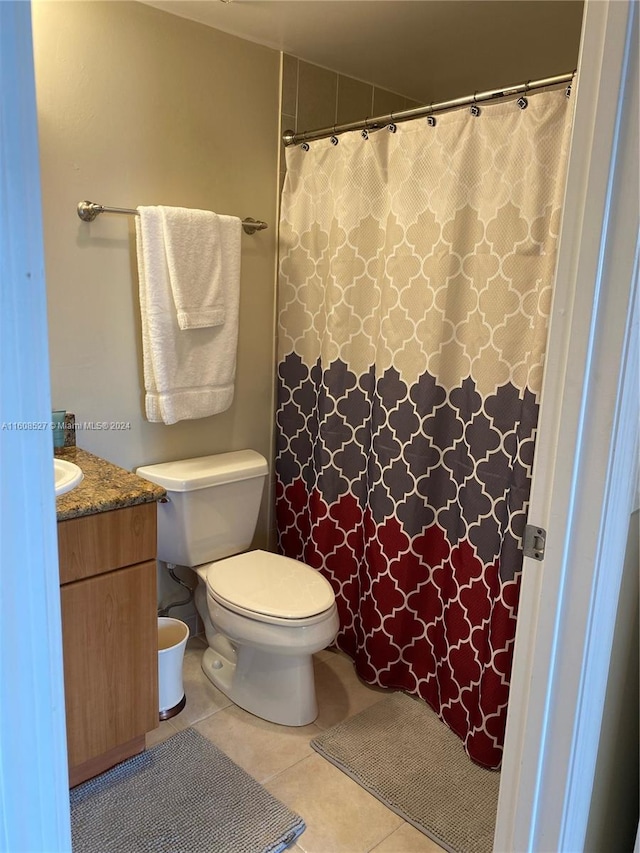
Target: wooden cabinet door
{"x": 92, "y": 544}
{"x": 110, "y": 641}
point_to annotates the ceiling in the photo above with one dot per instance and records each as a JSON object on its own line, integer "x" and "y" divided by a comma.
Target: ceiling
{"x": 426, "y": 50}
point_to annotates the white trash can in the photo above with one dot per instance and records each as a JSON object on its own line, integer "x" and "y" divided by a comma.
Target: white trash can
{"x": 172, "y": 639}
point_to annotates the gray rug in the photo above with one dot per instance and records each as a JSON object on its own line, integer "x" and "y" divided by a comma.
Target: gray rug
{"x": 182, "y": 796}
{"x": 403, "y": 754}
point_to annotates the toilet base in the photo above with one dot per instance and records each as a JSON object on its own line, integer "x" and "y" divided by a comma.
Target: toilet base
{"x": 277, "y": 688}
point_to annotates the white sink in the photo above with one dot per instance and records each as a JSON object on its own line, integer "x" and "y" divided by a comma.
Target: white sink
{"x": 67, "y": 475}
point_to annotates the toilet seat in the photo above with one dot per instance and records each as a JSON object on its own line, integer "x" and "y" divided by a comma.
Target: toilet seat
{"x": 269, "y": 588}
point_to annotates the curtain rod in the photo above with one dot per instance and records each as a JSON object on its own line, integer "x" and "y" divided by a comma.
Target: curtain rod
{"x": 291, "y": 138}
{"x": 88, "y": 210}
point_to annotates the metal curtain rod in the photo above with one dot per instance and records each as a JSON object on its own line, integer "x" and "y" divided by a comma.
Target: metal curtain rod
{"x": 291, "y": 138}
{"x": 88, "y": 210}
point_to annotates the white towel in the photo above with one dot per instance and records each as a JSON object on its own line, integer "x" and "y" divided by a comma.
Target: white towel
{"x": 188, "y": 373}
{"x": 202, "y": 248}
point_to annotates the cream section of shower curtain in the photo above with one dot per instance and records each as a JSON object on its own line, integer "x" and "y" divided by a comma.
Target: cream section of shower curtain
{"x": 415, "y": 284}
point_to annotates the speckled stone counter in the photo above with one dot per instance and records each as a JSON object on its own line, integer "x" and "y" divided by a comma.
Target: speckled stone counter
{"x": 105, "y": 486}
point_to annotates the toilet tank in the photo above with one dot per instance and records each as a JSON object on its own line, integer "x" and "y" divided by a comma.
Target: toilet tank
{"x": 212, "y": 507}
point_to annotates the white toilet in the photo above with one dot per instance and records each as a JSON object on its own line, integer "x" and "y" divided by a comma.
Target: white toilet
{"x": 264, "y": 615}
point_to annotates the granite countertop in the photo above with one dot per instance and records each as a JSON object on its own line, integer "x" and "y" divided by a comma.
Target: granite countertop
{"x": 105, "y": 486}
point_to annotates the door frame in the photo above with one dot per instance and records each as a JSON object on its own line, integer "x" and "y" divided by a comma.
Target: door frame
{"x": 34, "y": 790}
{"x": 586, "y": 469}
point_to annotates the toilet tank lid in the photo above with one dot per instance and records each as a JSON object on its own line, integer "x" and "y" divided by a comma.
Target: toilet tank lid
{"x": 186, "y": 475}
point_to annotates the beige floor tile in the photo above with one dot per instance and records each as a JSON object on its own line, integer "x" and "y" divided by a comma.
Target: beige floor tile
{"x": 262, "y": 749}
{"x": 202, "y": 697}
{"x": 407, "y": 839}
{"x": 164, "y": 731}
{"x": 340, "y": 816}
{"x": 340, "y": 692}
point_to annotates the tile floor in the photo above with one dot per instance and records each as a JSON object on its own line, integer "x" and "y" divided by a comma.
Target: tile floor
{"x": 340, "y": 816}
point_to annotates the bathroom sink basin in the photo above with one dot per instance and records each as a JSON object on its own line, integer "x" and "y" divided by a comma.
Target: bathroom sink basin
{"x": 67, "y": 475}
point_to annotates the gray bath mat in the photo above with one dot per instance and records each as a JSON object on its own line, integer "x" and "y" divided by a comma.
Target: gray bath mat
{"x": 400, "y": 752}
{"x": 182, "y": 796}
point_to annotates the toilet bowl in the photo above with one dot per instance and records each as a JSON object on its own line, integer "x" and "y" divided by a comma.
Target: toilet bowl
{"x": 264, "y": 615}
{"x": 264, "y": 633}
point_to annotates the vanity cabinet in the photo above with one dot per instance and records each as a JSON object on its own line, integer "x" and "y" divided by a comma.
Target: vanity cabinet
{"x": 110, "y": 635}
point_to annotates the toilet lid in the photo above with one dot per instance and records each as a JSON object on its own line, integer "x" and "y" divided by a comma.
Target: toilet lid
{"x": 268, "y": 584}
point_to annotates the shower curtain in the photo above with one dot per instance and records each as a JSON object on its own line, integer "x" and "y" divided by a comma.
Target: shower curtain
{"x": 416, "y": 276}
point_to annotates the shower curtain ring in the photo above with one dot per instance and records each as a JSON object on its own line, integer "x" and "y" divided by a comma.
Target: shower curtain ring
{"x": 523, "y": 102}
{"x": 365, "y": 132}
{"x": 475, "y": 109}
{"x": 334, "y": 138}
{"x": 431, "y": 119}
{"x": 391, "y": 127}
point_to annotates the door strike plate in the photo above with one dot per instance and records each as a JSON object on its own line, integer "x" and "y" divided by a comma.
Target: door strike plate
{"x": 534, "y": 541}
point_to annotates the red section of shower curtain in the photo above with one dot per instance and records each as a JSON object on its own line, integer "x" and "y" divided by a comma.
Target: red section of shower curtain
{"x": 414, "y": 616}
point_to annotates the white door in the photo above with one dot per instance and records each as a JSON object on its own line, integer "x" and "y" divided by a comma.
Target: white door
{"x": 585, "y": 476}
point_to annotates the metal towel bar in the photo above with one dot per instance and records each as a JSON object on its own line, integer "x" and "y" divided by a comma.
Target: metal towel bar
{"x": 88, "y": 210}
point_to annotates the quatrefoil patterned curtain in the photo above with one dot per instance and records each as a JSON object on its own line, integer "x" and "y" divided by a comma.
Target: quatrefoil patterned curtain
{"x": 415, "y": 288}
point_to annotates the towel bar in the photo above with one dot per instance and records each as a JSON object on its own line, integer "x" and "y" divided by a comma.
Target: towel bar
{"x": 88, "y": 210}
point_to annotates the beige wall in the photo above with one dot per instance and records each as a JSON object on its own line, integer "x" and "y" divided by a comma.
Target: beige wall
{"x": 613, "y": 816}
{"x": 140, "y": 107}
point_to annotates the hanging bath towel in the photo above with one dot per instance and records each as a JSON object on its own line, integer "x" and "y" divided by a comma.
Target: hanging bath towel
{"x": 188, "y": 373}
{"x": 203, "y": 251}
